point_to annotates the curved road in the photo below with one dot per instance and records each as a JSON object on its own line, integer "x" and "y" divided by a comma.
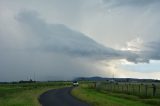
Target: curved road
{"x": 60, "y": 97}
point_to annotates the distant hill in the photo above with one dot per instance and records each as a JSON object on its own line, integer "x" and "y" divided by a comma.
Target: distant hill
{"x": 97, "y": 78}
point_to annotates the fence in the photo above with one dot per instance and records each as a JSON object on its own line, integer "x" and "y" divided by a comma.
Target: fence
{"x": 144, "y": 90}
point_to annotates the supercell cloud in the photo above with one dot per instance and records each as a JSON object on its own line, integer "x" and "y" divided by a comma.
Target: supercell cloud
{"x": 54, "y": 47}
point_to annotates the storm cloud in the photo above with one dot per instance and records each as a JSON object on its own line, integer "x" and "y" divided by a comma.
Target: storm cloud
{"x": 49, "y": 50}
{"x": 61, "y": 39}
{"x": 65, "y": 39}
{"x": 151, "y": 50}
{"x": 137, "y": 3}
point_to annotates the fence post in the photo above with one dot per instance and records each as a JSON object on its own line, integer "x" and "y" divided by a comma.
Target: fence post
{"x": 139, "y": 89}
{"x": 127, "y": 88}
{"x": 110, "y": 87}
{"x": 107, "y": 86}
{"x": 118, "y": 88}
{"x": 154, "y": 89}
{"x": 132, "y": 89}
{"x": 113, "y": 88}
{"x": 95, "y": 85}
{"x": 146, "y": 89}
{"x": 122, "y": 88}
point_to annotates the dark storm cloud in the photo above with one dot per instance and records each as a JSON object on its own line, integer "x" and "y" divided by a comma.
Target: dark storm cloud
{"x": 54, "y": 51}
{"x": 151, "y": 50}
{"x": 117, "y": 3}
{"x": 148, "y": 51}
{"x": 59, "y": 38}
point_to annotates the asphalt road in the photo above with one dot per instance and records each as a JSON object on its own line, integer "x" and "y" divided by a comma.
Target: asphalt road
{"x": 60, "y": 97}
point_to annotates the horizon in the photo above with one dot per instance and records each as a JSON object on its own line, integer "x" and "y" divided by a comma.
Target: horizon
{"x": 77, "y": 80}
{"x": 62, "y": 40}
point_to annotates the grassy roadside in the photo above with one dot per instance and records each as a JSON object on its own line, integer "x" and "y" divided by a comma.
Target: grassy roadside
{"x": 22, "y": 98}
{"x": 96, "y": 98}
{"x": 17, "y": 96}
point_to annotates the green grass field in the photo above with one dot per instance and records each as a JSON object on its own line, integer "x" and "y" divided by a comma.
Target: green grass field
{"x": 103, "y": 98}
{"x": 26, "y": 94}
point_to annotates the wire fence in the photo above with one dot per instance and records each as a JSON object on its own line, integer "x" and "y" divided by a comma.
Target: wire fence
{"x": 144, "y": 90}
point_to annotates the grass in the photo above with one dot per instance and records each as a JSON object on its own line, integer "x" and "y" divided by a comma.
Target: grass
{"x": 101, "y": 98}
{"x": 23, "y": 98}
{"x": 16, "y": 95}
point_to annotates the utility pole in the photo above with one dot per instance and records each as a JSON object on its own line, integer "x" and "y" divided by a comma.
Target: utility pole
{"x": 113, "y": 76}
{"x": 34, "y": 77}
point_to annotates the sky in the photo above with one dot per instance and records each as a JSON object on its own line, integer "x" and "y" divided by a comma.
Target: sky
{"x": 65, "y": 39}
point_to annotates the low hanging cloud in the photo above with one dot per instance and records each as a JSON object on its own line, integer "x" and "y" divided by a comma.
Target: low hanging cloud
{"x": 145, "y": 51}
{"x": 61, "y": 39}
{"x": 58, "y": 38}
{"x": 51, "y": 51}
{"x": 137, "y": 3}
{"x": 54, "y": 51}
{"x": 151, "y": 50}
